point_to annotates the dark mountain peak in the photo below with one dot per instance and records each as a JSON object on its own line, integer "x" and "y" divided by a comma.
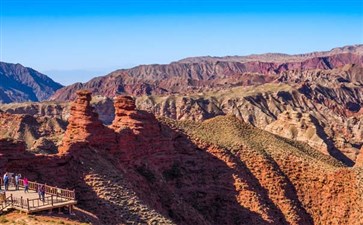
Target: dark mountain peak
{"x": 19, "y": 84}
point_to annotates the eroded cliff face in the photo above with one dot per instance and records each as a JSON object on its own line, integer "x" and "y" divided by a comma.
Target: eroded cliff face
{"x": 191, "y": 173}
{"x": 138, "y": 131}
{"x": 301, "y": 127}
{"x": 84, "y": 125}
{"x": 40, "y": 134}
{"x": 333, "y": 99}
{"x": 220, "y": 171}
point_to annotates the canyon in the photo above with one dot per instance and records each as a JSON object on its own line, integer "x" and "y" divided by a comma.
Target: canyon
{"x": 219, "y": 171}
{"x": 258, "y": 139}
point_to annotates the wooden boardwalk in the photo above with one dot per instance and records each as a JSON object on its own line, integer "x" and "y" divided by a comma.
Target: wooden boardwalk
{"x": 30, "y": 202}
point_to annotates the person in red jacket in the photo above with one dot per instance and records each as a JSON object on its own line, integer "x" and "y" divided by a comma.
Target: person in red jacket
{"x": 26, "y": 185}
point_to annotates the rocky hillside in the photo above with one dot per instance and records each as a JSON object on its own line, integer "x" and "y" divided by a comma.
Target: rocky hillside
{"x": 220, "y": 171}
{"x": 20, "y": 84}
{"x": 330, "y": 100}
{"x": 325, "y": 87}
{"x": 315, "y": 98}
{"x": 200, "y": 75}
{"x": 40, "y": 134}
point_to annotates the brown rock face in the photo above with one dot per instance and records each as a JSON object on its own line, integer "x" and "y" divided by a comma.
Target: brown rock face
{"x": 128, "y": 137}
{"x": 300, "y": 127}
{"x": 126, "y": 115}
{"x": 84, "y": 125}
{"x": 136, "y": 130}
{"x": 33, "y": 131}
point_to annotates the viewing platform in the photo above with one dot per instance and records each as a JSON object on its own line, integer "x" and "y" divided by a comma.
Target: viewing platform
{"x": 30, "y": 202}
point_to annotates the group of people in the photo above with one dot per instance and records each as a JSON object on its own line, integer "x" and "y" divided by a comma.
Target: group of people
{"x": 11, "y": 178}
{"x": 15, "y": 179}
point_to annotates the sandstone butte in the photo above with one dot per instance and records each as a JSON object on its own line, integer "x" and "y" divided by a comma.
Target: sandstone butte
{"x": 221, "y": 171}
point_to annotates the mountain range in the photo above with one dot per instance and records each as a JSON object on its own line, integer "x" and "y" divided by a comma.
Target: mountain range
{"x": 205, "y": 73}
{"x": 259, "y": 139}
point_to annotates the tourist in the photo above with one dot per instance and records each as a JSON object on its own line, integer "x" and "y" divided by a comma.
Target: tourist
{"x": 6, "y": 181}
{"x": 17, "y": 182}
{"x": 26, "y": 185}
{"x": 17, "y": 178}
{"x": 42, "y": 192}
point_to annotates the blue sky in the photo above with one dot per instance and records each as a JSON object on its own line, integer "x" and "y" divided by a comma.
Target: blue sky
{"x": 76, "y": 40}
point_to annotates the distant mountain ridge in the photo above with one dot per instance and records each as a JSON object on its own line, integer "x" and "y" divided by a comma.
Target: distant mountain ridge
{"x": 205, "y": 73}
{"x": 277, "y": 57}
{"x": 20, "y": 84}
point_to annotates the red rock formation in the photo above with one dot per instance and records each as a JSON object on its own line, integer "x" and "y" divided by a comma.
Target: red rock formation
{"x": 220, "y": 171}
{"x": 126, "y": 116}
{"x": 84, "y": 125}
{"x": 138, "y": 131}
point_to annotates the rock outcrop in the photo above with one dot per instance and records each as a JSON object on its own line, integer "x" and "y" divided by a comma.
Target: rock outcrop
{"x": 136, "y": 130}
{"x": 127, "y": 116}
{"x": 84, "y": 125}
{"x": 301, "y": 127}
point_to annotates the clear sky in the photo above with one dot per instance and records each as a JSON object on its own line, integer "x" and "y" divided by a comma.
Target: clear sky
{"x": 74, "y": 40}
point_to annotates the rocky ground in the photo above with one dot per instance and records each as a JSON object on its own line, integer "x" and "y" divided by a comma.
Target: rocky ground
{"x": 220, "y": 171}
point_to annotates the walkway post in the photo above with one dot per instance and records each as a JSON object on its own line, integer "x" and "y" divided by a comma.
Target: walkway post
{"x": 51, "y": 197}
{"x": 21, "y": 201}
{"x": 28, "y": 204}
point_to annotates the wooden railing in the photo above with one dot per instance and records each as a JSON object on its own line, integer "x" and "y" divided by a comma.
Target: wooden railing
{"x": 7, "y": 202}
{"x": 59, "y": 192}
{"x": 50, "y": 190}
{"x": 36, "y": 202}
{"x": 20, "y": 202}
{"x": 54, "y": 196}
